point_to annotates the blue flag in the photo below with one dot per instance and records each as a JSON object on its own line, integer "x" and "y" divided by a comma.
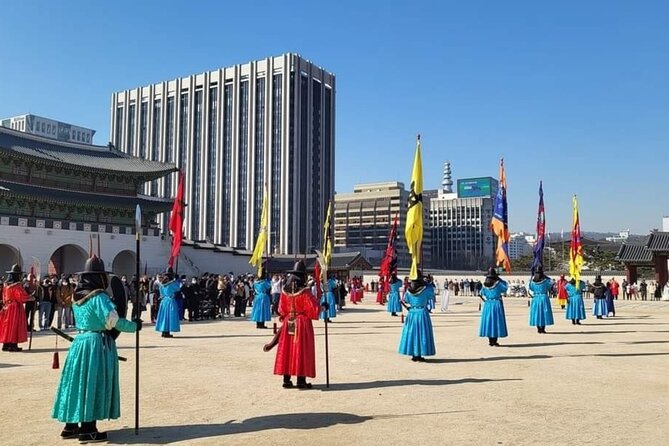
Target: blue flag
{"x": 541, "y": 232}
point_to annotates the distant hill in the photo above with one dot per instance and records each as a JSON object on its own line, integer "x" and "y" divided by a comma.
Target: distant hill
{"x": 597, "y": 236}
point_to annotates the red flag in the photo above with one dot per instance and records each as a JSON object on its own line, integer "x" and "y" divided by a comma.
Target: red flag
{"x": 317, "y": 279}
{"x": 177, "y": 221}
{"x": 389, "y": 262}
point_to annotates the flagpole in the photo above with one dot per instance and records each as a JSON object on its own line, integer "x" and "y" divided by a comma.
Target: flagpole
{"x": 138, "y": 231}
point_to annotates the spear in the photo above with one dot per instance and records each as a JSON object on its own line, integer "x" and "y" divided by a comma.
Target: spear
{"x": 138, "y": 232}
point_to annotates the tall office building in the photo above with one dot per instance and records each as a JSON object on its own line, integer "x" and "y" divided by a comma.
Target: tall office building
{"x": 236, "y": 132}
{"x": 362, "y": 221}
{"x": 461, "y": 237}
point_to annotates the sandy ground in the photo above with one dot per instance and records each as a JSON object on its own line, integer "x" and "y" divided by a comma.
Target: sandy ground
{"x": 603, "y": 383}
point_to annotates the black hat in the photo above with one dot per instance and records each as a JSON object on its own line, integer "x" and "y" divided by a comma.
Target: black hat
{"x": 94, "y": 265}
{"x": 492, "y": 273}
{"x": 169, "y": 270}
{"x": 16, "y": 269}
{"x": 299, "y": 269}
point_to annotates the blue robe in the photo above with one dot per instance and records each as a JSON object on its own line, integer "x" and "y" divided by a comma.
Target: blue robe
{"x": 168, "y": 312}
{"x": 89, "y": 385}
{"x": 610, "y": 306}
{"x": 417, "y": 334}
{"x": 575, "y": 305}
{"x": 394, "y": 305}
{"x": 493, "y": 319}
{"x": 261, "y": 311}
{"x": 431, "y": 299}
{"x": 329, "y": 297}
{"x": 541, "y": 313}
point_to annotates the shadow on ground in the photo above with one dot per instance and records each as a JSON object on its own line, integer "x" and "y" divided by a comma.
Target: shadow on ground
{"x": 171, "y": 434}
{"x": 404, "y": 382}
{"x": 491, "y": 358}
{"x": 549, "y": 344}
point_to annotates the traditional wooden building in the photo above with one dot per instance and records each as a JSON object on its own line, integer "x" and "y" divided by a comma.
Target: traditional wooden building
{"x": 59, "y": 198}
{"x": 653, "y": 253}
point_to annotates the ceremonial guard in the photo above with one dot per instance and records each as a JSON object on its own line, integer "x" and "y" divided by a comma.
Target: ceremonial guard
{"x": 89, "y": 385}
{"x": 493, "y": 319}
{"x": 394, "y": 304}
{"x": 13, "y": 326}
{"x": 262, "y": 309}
{"x": 380, "y": 289}
{"x": 610, "y": 297}
{"x": 599, "y": 291}
{"x": 432, "y": 298}
{"x": 575, "y": 306}
{"x": 167, "y": 320}
{"x": 329, "y": 298}
{"x": 417, "y": 338}
{"x": 562, "y": 293}
{"x": 296, "y": 354}
{"x": 541, "y": 313}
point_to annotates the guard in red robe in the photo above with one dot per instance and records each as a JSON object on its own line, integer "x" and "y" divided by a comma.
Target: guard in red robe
{"x": 13, "y": 329}
{"x": 380, "y": 292}
{"x": 296, "y": 353}
{"x": 562, "y": 294}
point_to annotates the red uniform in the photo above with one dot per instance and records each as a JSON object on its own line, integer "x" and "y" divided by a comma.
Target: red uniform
{"x": 13, "y": 325}
{"x": 296, "y": 353}
{"x": 379, "y": 293}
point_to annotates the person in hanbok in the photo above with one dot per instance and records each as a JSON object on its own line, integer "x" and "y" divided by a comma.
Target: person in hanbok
{"x": 417, "y": 338}
{"x": 89, "y": 385}
{"x": 329, "y": 298}
{"x": 561, "y": 291}
{"x": 610, "y": 297}
{"x": 380, "y": 292}
{"x": 432, "y": 299}
{"x": 575, "y": 306}
{"x": 261, "y": 311}
{"x": 394, "y": 305}
{"x": 445, "y": 296}
{"x": 493, "y": 319}
{"x": 599, "y": 290}
{"x": 296, "y": 352}
{"x": 541, "y": 313}
{"x": 13, "y": 327}
{"x": 168, "y": 317}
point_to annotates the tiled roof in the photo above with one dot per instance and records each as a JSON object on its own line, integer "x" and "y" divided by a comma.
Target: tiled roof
{"x": 77, "y": 156}
{"x": 635, "y": 254}
{"x": 31, "y": 192}
{"x": 658, "y": 241}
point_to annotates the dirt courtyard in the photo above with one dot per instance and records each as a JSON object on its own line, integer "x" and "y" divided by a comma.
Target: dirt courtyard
{"x": 602, "y": 383}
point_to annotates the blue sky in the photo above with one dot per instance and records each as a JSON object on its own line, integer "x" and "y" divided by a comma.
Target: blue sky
{"x": 575, "y": 93}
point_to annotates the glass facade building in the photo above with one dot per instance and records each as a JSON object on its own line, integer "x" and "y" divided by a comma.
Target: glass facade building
{"x": 237, "y": 133}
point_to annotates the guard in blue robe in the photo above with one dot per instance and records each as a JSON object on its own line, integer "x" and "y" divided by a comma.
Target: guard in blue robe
{"x": 599, "y": 290}
{"x": 610, "y": 305}
{"x": 417, "y": 335}
{"x": 432, "y": 299}
{"x": 493, "y": 319}
{"x": 394, "y": 306}
{"x": 329, "y": 297}
{"x": 262, "y": 309}
{"x": 167, "y": 320}
{"x": 89, "y": 385}
{"x": 541, "y": 313}
{"x": 575, "y": 306}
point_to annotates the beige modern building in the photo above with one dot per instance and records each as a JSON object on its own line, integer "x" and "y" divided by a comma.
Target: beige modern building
{"x": 363, "y": 219}
{"x": 232, "y": 131}
{"x": 461, "y": 237}
{"x": 49, "y": 128}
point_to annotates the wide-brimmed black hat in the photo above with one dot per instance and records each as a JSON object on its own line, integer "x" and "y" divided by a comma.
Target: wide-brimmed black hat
{"x": 169, "y": 270}
{"x": 299, "y": 269}
{"x": 16, "y": 269}
{"x": 492, "y": 273}
{"x": 94, "y": 265}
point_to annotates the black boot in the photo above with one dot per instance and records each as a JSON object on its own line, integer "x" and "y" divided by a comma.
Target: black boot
{"x": 89, "y": 433}
{"x": 393, "y": 314}
{"x": 494, "y": 342}
{"x": 414, "y": 358}
{"x": 260, "y": 325}
{"x": 166, "y": 334}
{"x": 5, "y": 347}
{"x": 287, "y": 383}
{"x": 562, "y": 306}
{"x": 302, "y": 383}
{"x": 71, "y": 430}
{"x": 538, "y": 329}
{"x": 578, "y": 322}
{"x": 573, "y": 321}
{"x": 490, "y": 341}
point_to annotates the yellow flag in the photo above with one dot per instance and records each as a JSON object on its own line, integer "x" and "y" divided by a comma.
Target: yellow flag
{"x": 327, "y": 243}
{"x": 261, "y": 241}
{"x": 575, "y": 246}
{"x": 414, "y": 224}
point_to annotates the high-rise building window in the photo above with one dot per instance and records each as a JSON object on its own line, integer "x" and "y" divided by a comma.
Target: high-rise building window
{"x": 327, "y": 184}
{"x": 130, "y": 145}
{"x": 195, "y": 168}
{"x": 183, "y": 131}
{"x": 316, "y": 207}
{"x": 118, "y": 137}
{"x": 242, "y": 162}
{"x": 155, "y": 140}
{"x": 227, "y": 163}
{"x": 291, "y": 157}
{"x": 259, "y": 155}
{"x": 212, "y": 162}
{"x": 169, "y": 145}
{"x": 277, "y": 113}
{"x": 143, "y": 130}
{"x": 304, "y": 155}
